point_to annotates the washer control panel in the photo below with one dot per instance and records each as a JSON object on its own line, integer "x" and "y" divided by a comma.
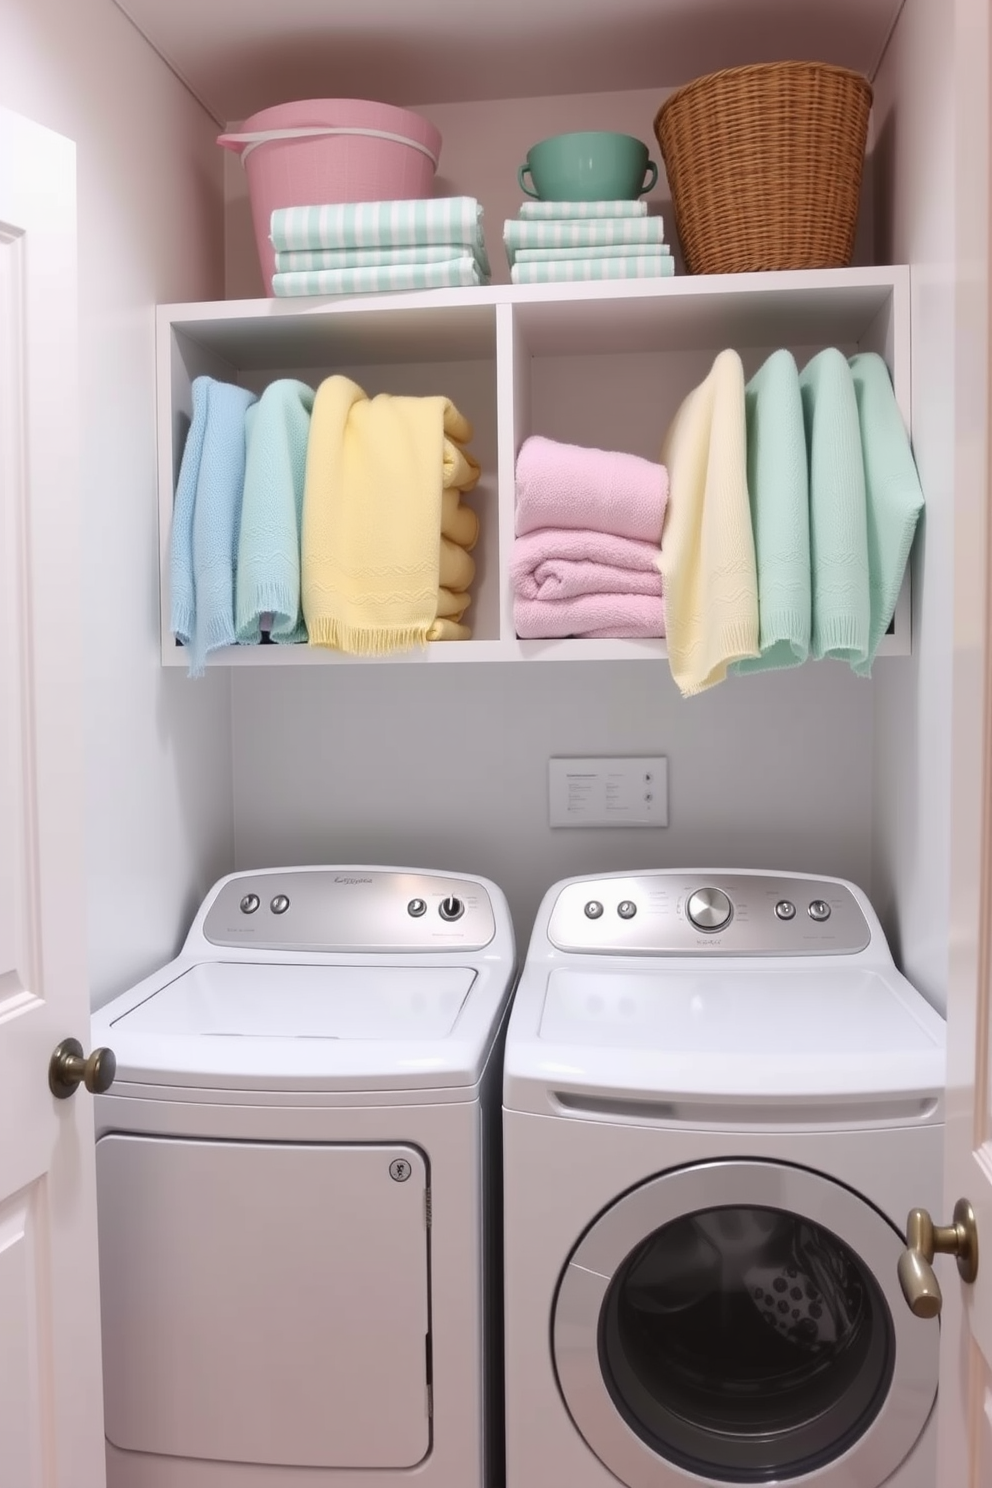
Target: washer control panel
{"x": 678, "y": 914}
{"x": 344, "y": 909}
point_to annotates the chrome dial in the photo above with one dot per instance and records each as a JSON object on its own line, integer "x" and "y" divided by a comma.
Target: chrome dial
{"x": 709, "y": 909}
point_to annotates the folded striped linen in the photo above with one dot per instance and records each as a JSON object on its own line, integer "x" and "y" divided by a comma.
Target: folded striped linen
{"x": 206, "y": 519}
{"x": 601, "y": 232}
{"x": 544, "y": 211}
{"x": 613, "y": 616}
{"x": 613, "y": 250}
{"x": 382, "y": 224}
{"x": 452, "y": 273}
{"x": 369, "y": 258}
{"x": 569, "y": 270}
{"x": 559, "y": 563}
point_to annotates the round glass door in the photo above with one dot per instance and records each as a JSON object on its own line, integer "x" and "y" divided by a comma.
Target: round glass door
{"x": 742, "y": 1342}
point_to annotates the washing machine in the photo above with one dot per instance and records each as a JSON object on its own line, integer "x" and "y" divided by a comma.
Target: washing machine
{"x": 721, "y": 1100}
{"x": 297, "y": 1170}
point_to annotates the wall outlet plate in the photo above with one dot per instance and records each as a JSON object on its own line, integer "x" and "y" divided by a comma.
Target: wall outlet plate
{"x": 608, "y": 792}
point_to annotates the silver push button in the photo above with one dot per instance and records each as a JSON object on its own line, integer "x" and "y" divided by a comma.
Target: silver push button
{"x": 626, "y": 909}
{"x": 250, "y": 903}
{"x": 451, "y": 908}
{"x": 416, "y": 908}
{"x": 785, "y": 909}
{"x": 819, "y": 910}
{"x": 280, "y": 904}
{"x": 709, "y": 909}
{"x": 594, "y": 910}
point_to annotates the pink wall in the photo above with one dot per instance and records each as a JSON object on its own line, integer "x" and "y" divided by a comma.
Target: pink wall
{"x": 150, "y": 229}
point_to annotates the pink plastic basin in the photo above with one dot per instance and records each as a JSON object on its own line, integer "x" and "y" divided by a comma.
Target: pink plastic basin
{"x": 322, "y": 150}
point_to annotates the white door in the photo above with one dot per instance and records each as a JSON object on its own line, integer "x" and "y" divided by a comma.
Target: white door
{"x": 50, "y": 1395}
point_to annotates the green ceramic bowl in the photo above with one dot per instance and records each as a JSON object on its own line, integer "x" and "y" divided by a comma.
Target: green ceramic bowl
{"x": 595, "y": 165}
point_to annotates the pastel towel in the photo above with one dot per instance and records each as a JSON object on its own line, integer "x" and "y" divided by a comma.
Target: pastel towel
{"x": 459, "y": 523}
{"x": 568, "y": 270}
{"x": 381, "y": 224}
{"x": 620, "y": 616}
{"x": 372, "y": 514}
{"x": 707, "y": 548}
{"x": 368, "y": 258}
{"x": 553, "y": 564}
{"x": 838, "y": 519}
{"x": 600, "y": 232}
{"x": 268, "y": 577}
{"x": 778, "y": 484}
{"x": 566, "y": 485}
{"x": 452, "y": 273}
{"x": 205, "y": 520}
{"x": 542, "y": 211}
{"x": 617, "y": 250}
{"x": 894, "y": 498}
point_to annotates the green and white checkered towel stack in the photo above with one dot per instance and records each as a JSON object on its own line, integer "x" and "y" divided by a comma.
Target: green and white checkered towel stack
{"x": 553, "y": 242}
{"x": 372, "y": 247}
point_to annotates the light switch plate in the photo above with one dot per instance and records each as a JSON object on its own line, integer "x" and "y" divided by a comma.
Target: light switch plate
{"x": 608, "y": 792}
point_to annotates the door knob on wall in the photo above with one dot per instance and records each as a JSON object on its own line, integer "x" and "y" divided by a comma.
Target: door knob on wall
{"x": 924, "y": 1240}
{"x": 67, "y": 1069}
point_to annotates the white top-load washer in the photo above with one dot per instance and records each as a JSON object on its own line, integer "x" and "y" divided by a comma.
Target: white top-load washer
{"x": 721, "y": 1099}
{"x": 295, "y": 1168}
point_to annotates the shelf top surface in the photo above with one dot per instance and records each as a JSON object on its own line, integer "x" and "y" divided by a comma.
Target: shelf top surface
{"x": 796, "y": 309}
{"x": 239, "y": 56}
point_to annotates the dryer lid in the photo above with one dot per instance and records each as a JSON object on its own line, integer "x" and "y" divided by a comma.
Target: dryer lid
{"x": 251, "y": 1000}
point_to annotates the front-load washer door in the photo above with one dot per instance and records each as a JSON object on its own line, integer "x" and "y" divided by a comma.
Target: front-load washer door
{"x": 741, "y": 1322}
{"x": 265, "y": 1302}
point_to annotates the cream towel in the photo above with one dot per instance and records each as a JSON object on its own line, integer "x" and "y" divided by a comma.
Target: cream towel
{"x": 372, "y": 518}
{"x": 457, "y": 567}
{"x": 458, "y": 469}
{"x": 459, "y": 523}
{"x": 707, "y": 546}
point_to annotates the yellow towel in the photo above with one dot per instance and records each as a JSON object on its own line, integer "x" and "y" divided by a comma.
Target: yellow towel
{"x": 457, "y": 568}
{"x": 372, "y": 516}
{"x": 707, "y": 545}
{"x": 449, "y": 630}
{"x": 460, "y": 472}
{"x": 459, "y": 523}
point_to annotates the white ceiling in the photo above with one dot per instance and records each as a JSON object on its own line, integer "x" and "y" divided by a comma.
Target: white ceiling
{"x": 239, "y": 56}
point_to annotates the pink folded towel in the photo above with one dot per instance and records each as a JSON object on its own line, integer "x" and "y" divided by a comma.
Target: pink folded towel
{"x": 564, "y": 485}
{"x": 555, "y": 564}
{"x": 622, "y": 616}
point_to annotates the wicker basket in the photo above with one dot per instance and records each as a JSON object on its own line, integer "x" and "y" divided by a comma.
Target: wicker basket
{"x": 765, "y": 166}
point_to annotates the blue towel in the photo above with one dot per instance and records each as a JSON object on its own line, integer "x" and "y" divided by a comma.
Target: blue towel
{"x": 838, "y": 523}
{"x": 268, "y": 575}
{"x": 778, "y": 486}
{"x": 205, "y": 520}
{"x": 892, "y": 487}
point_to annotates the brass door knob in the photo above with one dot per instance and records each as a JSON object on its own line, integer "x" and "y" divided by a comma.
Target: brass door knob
{"x": 924, "y": 1240}
{"x": 67, "y": 1069}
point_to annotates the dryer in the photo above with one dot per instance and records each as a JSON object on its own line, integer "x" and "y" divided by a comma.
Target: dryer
{"x": 297, "y": 1172}
{"x": 721, "y": 1100}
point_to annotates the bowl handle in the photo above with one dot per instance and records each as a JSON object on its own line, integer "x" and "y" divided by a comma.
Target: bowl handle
{"x": 525, "y": 171}
{"x": 650, "y": 185}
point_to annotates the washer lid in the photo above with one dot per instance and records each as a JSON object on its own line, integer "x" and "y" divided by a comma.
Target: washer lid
{"x": 744, "y": 1033}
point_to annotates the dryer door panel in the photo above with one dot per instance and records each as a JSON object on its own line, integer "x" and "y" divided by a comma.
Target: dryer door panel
{"x": 741, "y": 1322}
{"x": 265, "y": 1303}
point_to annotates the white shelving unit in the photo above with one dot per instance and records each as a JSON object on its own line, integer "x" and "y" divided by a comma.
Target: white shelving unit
{"x": 599, "y": 364}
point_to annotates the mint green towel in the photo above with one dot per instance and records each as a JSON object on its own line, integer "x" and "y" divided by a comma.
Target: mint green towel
{"x": 382, "y": 280}
{"x": 268, "y": 576}
{"x": 600, "y": 232}
{"x": 778, "y": 486}
{"x": 369, "y": 258}
{"x": 381, "y": 224}
{"x": 567, "y": 270}
{"x": 838, "y": 523}
{"x": 894, "y": 496}
{"x": 613, "y": 250}
{"x": 543, "y": 211}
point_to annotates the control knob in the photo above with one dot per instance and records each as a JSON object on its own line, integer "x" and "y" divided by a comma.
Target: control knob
{"x": 709, "y": 909}
{"x": 451, "y": 908}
